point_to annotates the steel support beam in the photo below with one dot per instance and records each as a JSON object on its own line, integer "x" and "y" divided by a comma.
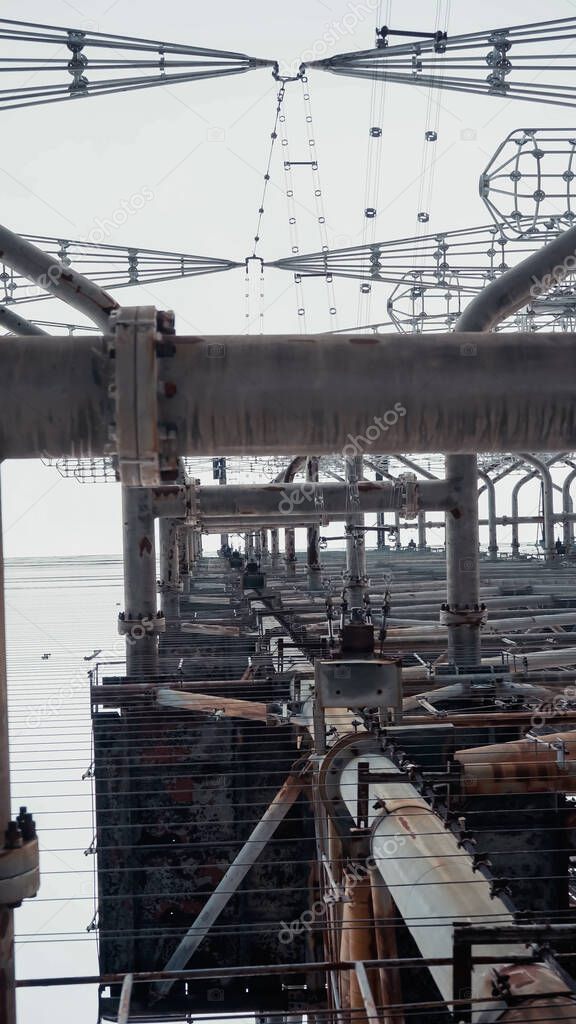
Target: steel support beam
{"x": 169, "y": 565}
{"x": 547, "y": 503}
{"x": 422, "y": 539}
{"x": 314, "y": 568}
{"x": 568, "y": 509}
{"x": 314, "y": 500}
{"x": 356, "y": 575}
{"x": 492, "y": 520}
{"x": 462, "y": 564}
{"x": 140, "y": 623}
{"x": 516, "y": 394}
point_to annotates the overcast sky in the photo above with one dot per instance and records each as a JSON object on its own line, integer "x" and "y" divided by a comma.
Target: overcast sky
{"x": 200, "y": 150}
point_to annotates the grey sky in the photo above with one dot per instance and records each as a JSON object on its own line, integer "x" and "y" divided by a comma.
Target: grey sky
{"x": 201, "y": 149}
{"x": 65, "y": 170}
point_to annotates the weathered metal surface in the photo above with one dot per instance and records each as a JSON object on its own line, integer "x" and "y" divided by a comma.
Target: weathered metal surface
{"x": 459, "y": 393}
{"x": 176, "y": 798}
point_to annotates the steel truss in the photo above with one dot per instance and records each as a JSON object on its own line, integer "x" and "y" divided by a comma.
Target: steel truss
{"x": 476, "y": 62}
{"x": 90, "y": 58}
{"x": 111, "y": 266}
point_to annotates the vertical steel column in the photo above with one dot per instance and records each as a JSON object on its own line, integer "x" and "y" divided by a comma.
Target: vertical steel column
{"x": 313, "y": 532}
{"x": 7, "y": 971}
{"x": 286, "y": 477}
{"x": 422, "y": 539}
{"x": 356, "y": 576}
{"x": 490, "y": 307}
{"x": 223, "y": 479}
{"x": 274, "y": 545}
{"x": 380, "y": 524}
{"x": 139, "y": 552}
{"x": 398, "y": 538}
{"x": 515, "y": 492}
{"x": 185, "y": 556}
{"x": 249, "y": 545}
{"x": 264, "y": 545}
{"x": 195, "y": 542}
{"x": 182, "y": 550}
{"x": 462, "y": 564}
{"x": 257, "y": 542}
{"x": 547, "y": 503}
{"x": 567, "y": 508}
{"x": 492, "y": 525}
{"x": 169, "y": 565}
{"x": 290, "y": 551}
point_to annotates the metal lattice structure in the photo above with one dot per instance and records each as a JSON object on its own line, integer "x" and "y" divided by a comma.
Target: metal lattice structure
{"x": 462, "y": 261}
{"x": 417, "y": 308}
{"x": 528, "y": 184}
{"x": 97, "y": 63}
{"x": 111, "y": 266}
{"x": 505, "y": 62}
{"x": 95, "y": 471}
{"x": 62, "y": 327}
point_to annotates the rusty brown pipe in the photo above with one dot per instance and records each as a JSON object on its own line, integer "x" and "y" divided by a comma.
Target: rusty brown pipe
{"x": 521, "y": 766}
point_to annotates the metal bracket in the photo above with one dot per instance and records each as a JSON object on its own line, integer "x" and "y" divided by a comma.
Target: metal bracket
{"x": 136, "y": 394}
{"x": 465, "y": 936}
{"x": 463, "y": 616}
{"x": 145, "y": 448}
{"x": 140, "y": 627}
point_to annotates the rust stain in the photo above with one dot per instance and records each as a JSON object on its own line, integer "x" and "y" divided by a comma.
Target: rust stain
{"x": 145, "y": 546}
{"x": 406, "y": 827}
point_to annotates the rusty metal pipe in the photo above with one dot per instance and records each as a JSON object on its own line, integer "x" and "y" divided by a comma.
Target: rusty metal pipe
{"x": 546, "y": 764}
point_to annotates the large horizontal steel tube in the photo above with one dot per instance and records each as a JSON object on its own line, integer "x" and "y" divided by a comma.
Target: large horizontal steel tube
{"x": 55, "y": 399}
{"x": 522, "y": 766}
{"x": 314, "y": 499}
{"x": 316, "y": 393}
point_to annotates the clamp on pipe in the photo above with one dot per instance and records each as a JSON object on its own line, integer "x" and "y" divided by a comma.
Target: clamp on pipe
{"x": 463, "y": 616}
{"x": 410, "y": 495}
{"x": 142, "y": 626}
{"x": 146, "y": 450}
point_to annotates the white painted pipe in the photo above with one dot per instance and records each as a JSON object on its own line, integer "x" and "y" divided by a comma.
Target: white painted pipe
{"x": 517, "y": 663}
{"x": 429, "y": 878}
